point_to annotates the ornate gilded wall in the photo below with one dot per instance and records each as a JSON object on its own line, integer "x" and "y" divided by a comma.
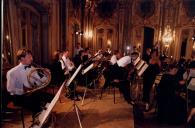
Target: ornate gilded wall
{"x": 48, "y": 25}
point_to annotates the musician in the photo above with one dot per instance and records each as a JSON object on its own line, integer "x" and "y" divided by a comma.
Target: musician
{"x": 87, "y": 54}
{"x": 68, "y": 67}
{"x": 149, "y": 77}
{"x": 146, "y": 57}
{"x": 17, "y": 84}
{"x": 77, "y": 49}
{"x": 78, "y": 59}
{"x": 57, "y": 74}
{"x": 115, "y": 57}
{"x": 119, "y": 75}
{"x": 66, "y": 63}
{"x": 171, "y": 106}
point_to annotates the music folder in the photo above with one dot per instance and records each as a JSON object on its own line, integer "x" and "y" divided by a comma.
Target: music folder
{"x": 136, "y": 61}
{"x": 191, "y": 85}
{"x": 140, "y": 64}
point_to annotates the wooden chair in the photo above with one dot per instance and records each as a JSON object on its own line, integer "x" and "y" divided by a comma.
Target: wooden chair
{"x": 14, "y": 108}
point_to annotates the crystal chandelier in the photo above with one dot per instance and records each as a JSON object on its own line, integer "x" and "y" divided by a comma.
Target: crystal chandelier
{"x": 167, "y": 37}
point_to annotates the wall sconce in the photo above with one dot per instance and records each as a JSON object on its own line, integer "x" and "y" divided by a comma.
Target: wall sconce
{"x": 193, "y": 40}
{"x": 109, "y": 42}
{"x": 167, "y": 37}
{"x": 7, "y": 37}
{"x": 88, "y": 34}
{"x": 79, "y": 33}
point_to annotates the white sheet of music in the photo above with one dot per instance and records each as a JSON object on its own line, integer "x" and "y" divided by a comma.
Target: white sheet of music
{"x": 74, "y": 75}
{"x": 140, "y": 65}
{"x": 143, "y": 69}
{"x": 191, "y": 85}
{"x": 49, "y": 106}
{"x": 87, "y": 69}
{"x": 136, "y": 61}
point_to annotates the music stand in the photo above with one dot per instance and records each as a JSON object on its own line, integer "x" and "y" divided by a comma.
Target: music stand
{"x": 75, "y": 107}
{"x": 84, "y": 72}
{"x": 46, "y": 112}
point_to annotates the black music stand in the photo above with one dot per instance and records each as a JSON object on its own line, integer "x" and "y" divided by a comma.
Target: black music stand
{"x": 84, "y": 72}
{"x": 75, "y": 106}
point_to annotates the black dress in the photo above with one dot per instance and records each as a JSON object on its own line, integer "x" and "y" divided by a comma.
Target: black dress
{"x": 148, "y": 80}
{"x": 171, "y": 107}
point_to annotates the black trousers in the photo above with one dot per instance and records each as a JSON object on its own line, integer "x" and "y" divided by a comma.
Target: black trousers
{"x": 148, "y": 81}
{"x": 34, "y": 102}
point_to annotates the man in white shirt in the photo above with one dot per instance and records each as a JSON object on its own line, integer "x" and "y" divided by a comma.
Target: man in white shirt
{"x": 77, "y": 49}
{"x": 68, "y": 67}
{"x": 115, "y": 57}
{"x": 18, "y": 84}
{"x": 124, "y": 61}
{"x": 66, "y": 63}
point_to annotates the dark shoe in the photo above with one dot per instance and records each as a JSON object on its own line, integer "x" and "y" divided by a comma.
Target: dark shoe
{"x": 131, "y": 102}
{"x": 75, "y": 98}
{"x": 147, "y": 107}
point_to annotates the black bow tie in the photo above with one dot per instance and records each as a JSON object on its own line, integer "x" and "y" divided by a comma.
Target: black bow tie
{"x": 27, "y": 66}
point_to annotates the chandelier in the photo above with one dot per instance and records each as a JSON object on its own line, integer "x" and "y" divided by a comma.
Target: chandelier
{"x": 167, "y": 37}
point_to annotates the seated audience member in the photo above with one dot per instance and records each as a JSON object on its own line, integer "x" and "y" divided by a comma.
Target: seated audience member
{"x": 188, "y": 75}
{"x": 171, "y": 106}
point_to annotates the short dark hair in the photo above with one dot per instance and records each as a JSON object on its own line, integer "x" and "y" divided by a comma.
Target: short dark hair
{"x": 22, "y": 53}
{"x": 116, "y": 52}
{"x": 172, "y": 66}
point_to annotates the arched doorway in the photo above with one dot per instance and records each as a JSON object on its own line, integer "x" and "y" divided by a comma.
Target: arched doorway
{"x": 148, "y": 38}
{"x": 187, "y": 48}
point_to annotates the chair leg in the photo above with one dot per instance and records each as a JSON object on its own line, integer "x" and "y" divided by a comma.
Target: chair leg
{"x": 101, "y": 93}
{"x": 22, "y": 118}
{"x": 114, "y": 94}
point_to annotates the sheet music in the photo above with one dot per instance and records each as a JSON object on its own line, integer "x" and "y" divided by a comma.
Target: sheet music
{"x": 140, "y": 65}
{"x": 136, "y": 61}
{"x": 191, "y": 85}
{"x": 87, "y": 69}
{"x": 45, "y": 113}
{"x": 143, "y": 69}
{"x": 74, "y": 75}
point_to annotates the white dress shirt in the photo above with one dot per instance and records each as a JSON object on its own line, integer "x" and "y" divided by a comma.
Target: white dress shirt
{"x": 17, "y": 79}
{"x": 76, "y": 50}
{"x": 113, "y": 60}
{"x": 66, "y": 64}
{"x": 124, "y": 61}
